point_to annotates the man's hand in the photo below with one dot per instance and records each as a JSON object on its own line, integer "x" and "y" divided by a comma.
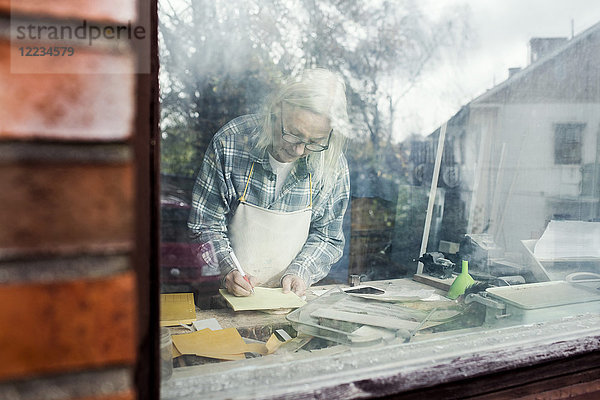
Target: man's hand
{"x": 237, "y": 285}
{"x": 293, "y": 283}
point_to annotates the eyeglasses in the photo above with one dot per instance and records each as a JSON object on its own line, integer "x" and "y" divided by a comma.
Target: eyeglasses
{"x": 293, "y": 139}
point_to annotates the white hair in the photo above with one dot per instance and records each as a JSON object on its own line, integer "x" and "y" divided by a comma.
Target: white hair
{"x": 322, "y": 92}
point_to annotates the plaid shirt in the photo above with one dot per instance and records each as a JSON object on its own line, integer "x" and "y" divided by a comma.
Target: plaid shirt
{"x": 221, "y": 182}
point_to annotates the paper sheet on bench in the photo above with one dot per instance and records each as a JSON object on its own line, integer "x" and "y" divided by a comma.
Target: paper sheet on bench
{"x": 571, "y": 240}
{"x": 263, "y": 299}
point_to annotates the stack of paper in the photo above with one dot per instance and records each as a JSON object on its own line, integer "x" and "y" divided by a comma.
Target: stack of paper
{"x": 177, "y": 308}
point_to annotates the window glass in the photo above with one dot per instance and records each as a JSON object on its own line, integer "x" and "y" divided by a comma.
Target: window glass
{"x": 567, "y": 143}
{"x": 449, "y": 171}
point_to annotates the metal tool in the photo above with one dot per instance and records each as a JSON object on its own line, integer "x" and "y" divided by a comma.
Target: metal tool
{"x": 436, "y": 265}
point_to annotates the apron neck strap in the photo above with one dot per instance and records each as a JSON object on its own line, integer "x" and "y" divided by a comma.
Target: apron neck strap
{"x": 243, "y": 198}
{"x": 310, "y": 186}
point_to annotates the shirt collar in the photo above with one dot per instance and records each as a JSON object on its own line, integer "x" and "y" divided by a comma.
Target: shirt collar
{"x": 261, "y": 156}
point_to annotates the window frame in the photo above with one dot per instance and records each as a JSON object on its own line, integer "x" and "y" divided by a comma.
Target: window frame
{"x": 145, "y": 143}
{"x": 551, "y": 356}
{"x": 563, "y": 361}
{"x": 562, "y": 132}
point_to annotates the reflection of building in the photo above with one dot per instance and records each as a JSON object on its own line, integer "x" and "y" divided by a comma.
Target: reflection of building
{"x": 529, "y": 148}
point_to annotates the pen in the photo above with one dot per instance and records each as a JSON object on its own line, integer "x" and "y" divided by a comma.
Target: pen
{"x": 240, "y": 270}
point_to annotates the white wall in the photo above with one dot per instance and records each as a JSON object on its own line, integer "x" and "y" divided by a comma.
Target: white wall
{"x": 512, "y": 185}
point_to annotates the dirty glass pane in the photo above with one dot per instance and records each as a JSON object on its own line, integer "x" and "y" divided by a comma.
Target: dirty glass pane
{"x": 474, "y": 174}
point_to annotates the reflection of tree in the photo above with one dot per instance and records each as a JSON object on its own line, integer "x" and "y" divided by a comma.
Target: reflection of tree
{"x": 219, "y": 57}
{"x": 210, "y": 73}
{"x": 382, "y": 49}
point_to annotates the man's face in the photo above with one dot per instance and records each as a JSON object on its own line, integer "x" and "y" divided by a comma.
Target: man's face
{"x": 306, "y": 125}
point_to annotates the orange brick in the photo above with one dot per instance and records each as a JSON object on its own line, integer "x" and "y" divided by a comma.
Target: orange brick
{"x": 44, "y": 206}
{"x": 66, "y": 326}
{"x": 112, "y": 10}
{"x": 67, "y": 106}
{"x": 129, "y": 395}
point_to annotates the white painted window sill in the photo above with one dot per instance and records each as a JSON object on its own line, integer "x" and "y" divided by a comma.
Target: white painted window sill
{"x": 384, "y": 370}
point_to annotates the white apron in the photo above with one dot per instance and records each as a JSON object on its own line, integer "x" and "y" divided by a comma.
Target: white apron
{"x": 266, "y": 241}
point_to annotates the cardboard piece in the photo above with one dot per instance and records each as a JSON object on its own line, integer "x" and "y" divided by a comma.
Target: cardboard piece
{"x": 224, "y": 344}
{"x": 176, "y": 353}
{"x": 271, "y": 346}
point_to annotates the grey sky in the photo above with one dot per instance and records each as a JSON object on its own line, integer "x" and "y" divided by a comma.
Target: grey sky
{"x": 501, "y": 30}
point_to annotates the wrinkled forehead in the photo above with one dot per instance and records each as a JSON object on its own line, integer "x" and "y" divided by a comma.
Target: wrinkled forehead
{"x": 307, "y": 123}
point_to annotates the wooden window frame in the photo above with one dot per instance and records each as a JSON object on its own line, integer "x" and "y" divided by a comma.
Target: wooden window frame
{"x": 147, "y": 158}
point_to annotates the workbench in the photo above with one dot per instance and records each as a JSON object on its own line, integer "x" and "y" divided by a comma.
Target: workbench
{"x": 259, "y": 325}
{"x": 446, "y": 354}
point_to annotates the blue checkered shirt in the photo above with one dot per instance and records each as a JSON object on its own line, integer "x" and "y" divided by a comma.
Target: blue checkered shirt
{"x": 221, "y": 182}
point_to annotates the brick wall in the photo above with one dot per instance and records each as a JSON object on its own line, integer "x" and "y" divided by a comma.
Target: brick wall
{"x": 69, "y": 322}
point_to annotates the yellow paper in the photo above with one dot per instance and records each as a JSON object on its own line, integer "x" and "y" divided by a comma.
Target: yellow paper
{"x": 259, "y": 348}
{"x": 273, "y": 344}
{"x": 176, "y": 353}
{"x": 225, "y": 344}
{"x": 177, "y": 308}
{"x": 229, "y": 357}
{"x": 263, "y": 299}
{"x": 263, "y": 349}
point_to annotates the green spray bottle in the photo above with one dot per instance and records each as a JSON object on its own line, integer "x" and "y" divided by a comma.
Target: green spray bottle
{"x": 461, "y": 283}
